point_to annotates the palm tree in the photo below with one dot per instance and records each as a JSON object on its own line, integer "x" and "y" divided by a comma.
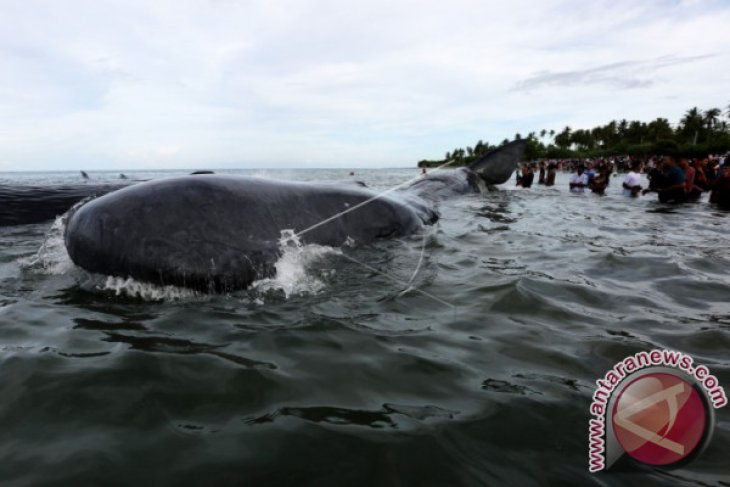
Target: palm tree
{"x": 692, "y": 118}
{"x": 623, "y": 126}
{"x": 660, "y": 129}
{"x": 691, "y": 125}
{"x": 636, "y": 132}
{"x": 479, "y": 148}
{"x": 711, "y": 117}
{"x": 611, "y": 132}
{"x": 598, "y": 135}
{"x": 563, "y": 139}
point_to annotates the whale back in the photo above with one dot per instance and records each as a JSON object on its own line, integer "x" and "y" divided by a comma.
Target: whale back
{"x": 221, "y": 232}
{"x": 22, "y": 205}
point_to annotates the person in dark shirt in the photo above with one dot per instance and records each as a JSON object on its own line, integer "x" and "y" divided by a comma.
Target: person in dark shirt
{"x": 721, "y": 187}
{"x": 701, "y": 175}
{"x": 541, "y": 180}
{"x": 552, "y": 169}
{"x": 655, "y": 177}
{"x": 527, "y": 177}
{"x": 600, "y": 181}
{"x": 670, "y": 184}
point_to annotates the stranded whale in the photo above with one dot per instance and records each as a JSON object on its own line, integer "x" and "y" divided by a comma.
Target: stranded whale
{"x": 26, "y": 204}
{"x": 22, "y": 205}
{"x": 212, "y": 232}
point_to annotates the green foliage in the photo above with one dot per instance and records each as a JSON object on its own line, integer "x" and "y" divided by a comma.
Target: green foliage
{"x": 697, "y": 134}
{"x": 534, "y": 149}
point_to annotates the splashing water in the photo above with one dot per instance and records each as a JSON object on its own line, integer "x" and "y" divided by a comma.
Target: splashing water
{"x": 292, "y": 269}
{"x": 52, "y": 257}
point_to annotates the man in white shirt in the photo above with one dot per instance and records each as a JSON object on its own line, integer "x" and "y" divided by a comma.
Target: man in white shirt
{"x": 579, "y": 180}
{"x": 632, "y": 182}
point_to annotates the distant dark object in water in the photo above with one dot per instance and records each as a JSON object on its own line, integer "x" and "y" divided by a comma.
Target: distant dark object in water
{"x": 196, "y": 173}
{"x": 21, "y": 205}
{"x": 224, "y": 232}
{"x": 123, "y": 176}
{"x": 84, "y": 175}
{"x": 663, "y": 209}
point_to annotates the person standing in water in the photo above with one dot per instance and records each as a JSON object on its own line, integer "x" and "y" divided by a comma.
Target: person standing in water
{"x": 527, "y": 177}
{"x": 721, "y": 187}
{"x": 691, "y": 191}
{"x": 579, "y": 180}
{"x": 541, "y": 179}
{"x": 632, "y": 182}
{"x": 670, "y": 184}
{"x": 551, "y": 170}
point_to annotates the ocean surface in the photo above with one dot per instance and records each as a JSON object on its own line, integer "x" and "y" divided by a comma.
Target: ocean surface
{"x": 466, "y": 355}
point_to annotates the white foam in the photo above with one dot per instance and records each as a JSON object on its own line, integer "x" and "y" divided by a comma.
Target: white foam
{"x": 52, "y": 257}
{"x": 146, "y": 291}
{"x": 293, "y": 269}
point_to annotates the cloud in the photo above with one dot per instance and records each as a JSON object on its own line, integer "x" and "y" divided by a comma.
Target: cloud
{"x": 116, "y": 85}
{"x": 623, "y": 74}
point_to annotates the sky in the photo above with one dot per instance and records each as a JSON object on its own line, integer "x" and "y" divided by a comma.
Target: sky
{"x": 166, "y": 84}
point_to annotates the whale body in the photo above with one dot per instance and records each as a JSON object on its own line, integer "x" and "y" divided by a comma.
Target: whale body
{"x": 23, "y": 205}
{"x": 218, "y": 233}
{"x": 223, "y": 232}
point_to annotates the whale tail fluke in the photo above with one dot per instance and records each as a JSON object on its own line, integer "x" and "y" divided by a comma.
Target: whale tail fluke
{"x": 497, "y": 166}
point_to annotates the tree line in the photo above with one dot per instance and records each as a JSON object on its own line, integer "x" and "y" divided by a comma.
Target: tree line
{"x": 698, "y": 133}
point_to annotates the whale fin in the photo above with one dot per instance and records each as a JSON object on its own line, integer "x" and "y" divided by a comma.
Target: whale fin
{"x": 497, "y": 166}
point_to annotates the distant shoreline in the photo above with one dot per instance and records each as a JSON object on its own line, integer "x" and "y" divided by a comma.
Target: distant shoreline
{"x": 697, "y": 134}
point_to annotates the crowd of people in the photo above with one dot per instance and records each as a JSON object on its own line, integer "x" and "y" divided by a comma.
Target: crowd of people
{"x": 675, "y": 179}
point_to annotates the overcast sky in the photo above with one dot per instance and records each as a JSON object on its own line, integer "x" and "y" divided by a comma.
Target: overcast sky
{"x": 134, "y": 84}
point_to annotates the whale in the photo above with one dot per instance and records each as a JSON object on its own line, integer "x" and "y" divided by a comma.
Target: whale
{"x": 28, "y": 204}
{"x": 219, "y": 233}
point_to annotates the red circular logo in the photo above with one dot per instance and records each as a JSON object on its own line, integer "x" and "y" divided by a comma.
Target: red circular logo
{"x": 659, "y": 419}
